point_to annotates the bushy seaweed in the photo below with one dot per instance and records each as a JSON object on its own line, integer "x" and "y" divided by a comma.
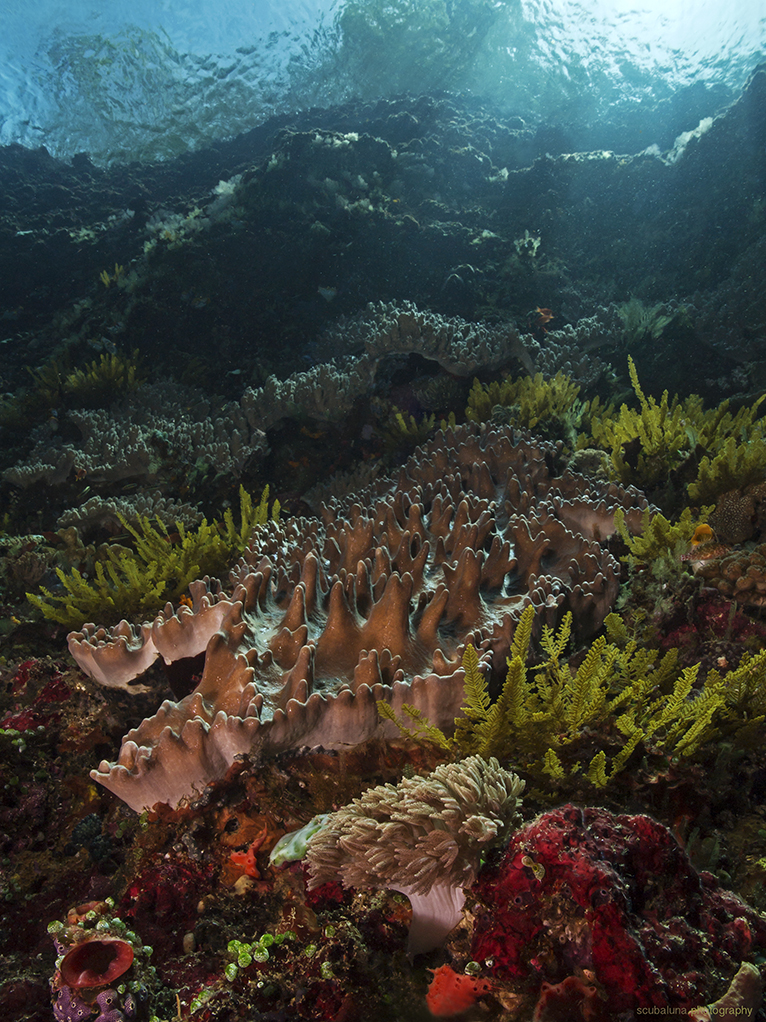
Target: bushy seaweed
{"x": 660, "y": 543}
{"x": 137, "y": 581}
{"x": 530, "y": 400}
{"x": 556, "y": 723}
{"x": 737, "y": 464}
{"x": 661, "y": 442}
{"x": 643, "y": 321}
{"x": 405, "y": 432}
{"x": 103, "y": 380}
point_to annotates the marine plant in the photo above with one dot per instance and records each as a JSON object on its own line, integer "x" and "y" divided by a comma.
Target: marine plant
{"x": 736, "y": 464}
{"x": 642, "y": 321}
{"x": 548, "y": 721}
{"x": 134, "y": 582}
{"x": 48, "y": 382}
{"x": 660, "y": 543}
{"x": 247, "y": 952}
{"x": 405, "y": 432}
{"x": 531, "y": 400}
{"x": 658, "y": 559}
{"x": 103, "y": 380}
{"x": 650, "y": 444}
{"x": 107, "y": 278}
{"x": 22, "y": 409}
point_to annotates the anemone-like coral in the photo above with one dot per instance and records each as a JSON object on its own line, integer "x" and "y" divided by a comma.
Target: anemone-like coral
{"x": 375, "y": 600}
{"x": 423, "y": 837}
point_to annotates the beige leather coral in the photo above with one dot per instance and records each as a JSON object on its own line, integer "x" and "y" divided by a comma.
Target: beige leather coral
{"x": 374, "y": 599}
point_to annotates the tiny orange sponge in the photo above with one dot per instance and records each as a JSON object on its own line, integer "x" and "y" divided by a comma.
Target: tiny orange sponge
{"x": 451, "y": 992}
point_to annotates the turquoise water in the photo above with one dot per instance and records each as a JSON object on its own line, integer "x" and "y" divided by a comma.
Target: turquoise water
{"x": 148, "y": 80}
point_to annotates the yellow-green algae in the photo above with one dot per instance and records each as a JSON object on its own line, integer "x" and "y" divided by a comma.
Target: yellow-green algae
{"x": 625, "y": 698}
{"x": 648, "y": 444}
{"x": 532, "y": 399}
{"x": 132, "y": 583}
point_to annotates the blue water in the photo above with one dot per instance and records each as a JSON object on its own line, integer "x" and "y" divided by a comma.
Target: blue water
{"x": 151, "y": 78}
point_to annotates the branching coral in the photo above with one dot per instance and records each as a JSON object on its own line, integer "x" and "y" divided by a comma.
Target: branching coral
{"x": 164, "y": 429}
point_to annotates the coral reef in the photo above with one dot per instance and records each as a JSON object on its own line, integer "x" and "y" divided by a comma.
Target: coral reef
{"x": 327, "y": 391}
{"x": 255, "y": 939}
{"x": 157, "y": 431}
{"x": 324, "y": 618}
{"x": 407, "y": 592}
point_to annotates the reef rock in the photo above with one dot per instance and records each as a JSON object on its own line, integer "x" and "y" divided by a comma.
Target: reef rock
{"x": 609, "y": 916}
{"x": 376, "y": 599}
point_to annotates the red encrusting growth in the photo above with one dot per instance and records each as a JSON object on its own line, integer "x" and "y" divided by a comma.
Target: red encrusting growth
{"x": 450, "y": 992}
